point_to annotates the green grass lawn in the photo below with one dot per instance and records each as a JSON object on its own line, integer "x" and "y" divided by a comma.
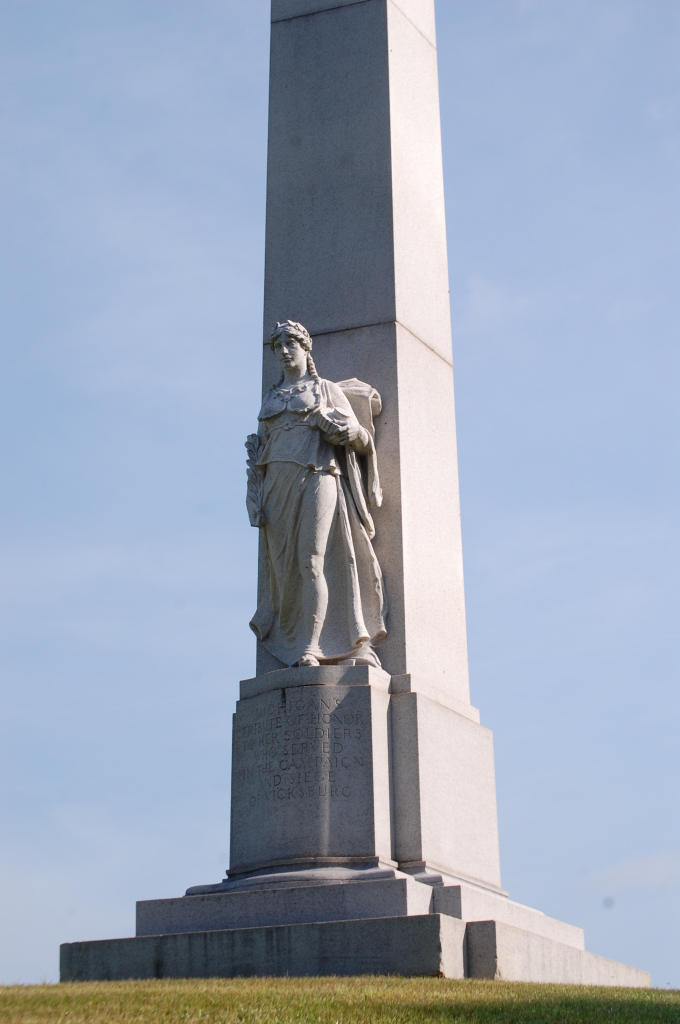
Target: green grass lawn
{"x": 330, "y": 1001}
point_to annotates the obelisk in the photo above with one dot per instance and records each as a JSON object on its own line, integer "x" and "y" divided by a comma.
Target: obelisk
{"x": 356, "y": 250}
{"x": 363, "y": 829}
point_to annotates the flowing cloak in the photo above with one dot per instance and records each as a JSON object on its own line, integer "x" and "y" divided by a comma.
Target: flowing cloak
{"x": 292, "y": 452}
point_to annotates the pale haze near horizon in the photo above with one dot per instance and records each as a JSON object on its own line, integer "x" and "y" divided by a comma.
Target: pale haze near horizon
{"x": 133, "y": 150}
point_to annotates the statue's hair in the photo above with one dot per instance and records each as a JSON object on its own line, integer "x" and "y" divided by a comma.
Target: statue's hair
{"x": 301, "y": 335}
{"x": 293, "y": 330}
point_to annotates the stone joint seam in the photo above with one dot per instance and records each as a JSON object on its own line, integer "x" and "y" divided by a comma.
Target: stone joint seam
{"x": 294, "y": 17}
{"x": 449, "y": 362}
{"x": 344, "y": 330}
{"x": 310, "y": 14}
{"x": 412, "y": 23}
{"x": 378, "y": 323}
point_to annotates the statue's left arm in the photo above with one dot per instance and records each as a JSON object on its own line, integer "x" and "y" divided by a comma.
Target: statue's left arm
{"x": 349, "y": 431}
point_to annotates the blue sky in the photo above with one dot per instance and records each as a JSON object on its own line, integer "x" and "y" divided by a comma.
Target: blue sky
{"x": 132, "y": 164}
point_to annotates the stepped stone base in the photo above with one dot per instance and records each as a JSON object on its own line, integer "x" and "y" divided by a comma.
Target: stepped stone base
{"x": 337, "y": 894}
{"x": 394, "y": 897}
{"x": 426, "y": 945}
{"x": 499, "y": 951}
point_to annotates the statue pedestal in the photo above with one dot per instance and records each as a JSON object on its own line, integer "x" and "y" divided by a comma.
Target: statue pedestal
{"x": 310, "y": 770}
{"x": 344, "y": 765}
{"x": 358, "y": 810}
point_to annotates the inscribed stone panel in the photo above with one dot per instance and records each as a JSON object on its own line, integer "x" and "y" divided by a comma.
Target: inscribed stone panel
{"x": 302, "y": 777}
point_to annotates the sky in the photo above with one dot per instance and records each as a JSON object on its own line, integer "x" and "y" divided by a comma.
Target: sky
{"x": 132, "y": 201}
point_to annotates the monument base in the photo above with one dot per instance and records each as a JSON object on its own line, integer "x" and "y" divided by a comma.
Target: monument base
{"x": 318, "y": 895}
{"x": 343, "y": 921}
{"x": 432, "y": 945}
{"x": 363, "y": 841}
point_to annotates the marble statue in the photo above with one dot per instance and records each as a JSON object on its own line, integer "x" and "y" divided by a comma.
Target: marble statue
{"x": 312, "y": 480}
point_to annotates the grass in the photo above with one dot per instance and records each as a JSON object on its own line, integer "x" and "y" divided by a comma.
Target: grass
{"x": 330, "y": 1001}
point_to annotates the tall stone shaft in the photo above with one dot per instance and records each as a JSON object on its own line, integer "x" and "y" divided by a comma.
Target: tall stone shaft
{"x": 356, "y": 251}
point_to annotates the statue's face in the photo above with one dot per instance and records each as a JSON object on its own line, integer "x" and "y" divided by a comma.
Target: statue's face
{"x": 290, "y": 353}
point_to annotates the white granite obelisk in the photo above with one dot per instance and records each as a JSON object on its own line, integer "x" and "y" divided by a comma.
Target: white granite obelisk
{"x": 356, "y": 251}
{"x": 363, "y": 828}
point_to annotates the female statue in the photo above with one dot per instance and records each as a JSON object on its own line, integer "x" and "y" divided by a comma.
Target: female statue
{"x": 312, "y": 476}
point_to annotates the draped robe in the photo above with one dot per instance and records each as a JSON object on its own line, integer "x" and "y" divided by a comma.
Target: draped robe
{"x": 296, "y": 469}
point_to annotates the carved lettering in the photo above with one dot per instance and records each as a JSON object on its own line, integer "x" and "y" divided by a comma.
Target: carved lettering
{"x": 298, "y": 745}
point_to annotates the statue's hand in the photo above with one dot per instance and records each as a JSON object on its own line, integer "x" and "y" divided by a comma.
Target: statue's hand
{"x": 349, "y": 435}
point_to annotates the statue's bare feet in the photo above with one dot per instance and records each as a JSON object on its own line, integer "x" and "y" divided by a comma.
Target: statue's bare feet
{"x": 308, "y": 659}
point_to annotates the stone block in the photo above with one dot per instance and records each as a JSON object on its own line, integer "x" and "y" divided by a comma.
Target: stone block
{"x": 406, "y": 684}
{"x": 321, "y": 675}
{"x": 444, "y": 792}
{"x": 329, "y": 170}
{"x": 499, "y": 951}
{"x": 428, "y": 945}
{"x": 435, "y": 637}
{"x": 310, "y": 778}
{"x": 470, "y": 903}
{"x": 348, "y": 901}
{"x": 420, "y": 256}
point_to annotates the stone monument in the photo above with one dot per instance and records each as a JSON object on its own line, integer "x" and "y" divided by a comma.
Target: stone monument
{"x": 363, "y": 824}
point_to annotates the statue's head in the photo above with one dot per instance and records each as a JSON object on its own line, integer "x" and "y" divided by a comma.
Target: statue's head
{"x": 285, "y": 338}
{"x": 292, "y": 330}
